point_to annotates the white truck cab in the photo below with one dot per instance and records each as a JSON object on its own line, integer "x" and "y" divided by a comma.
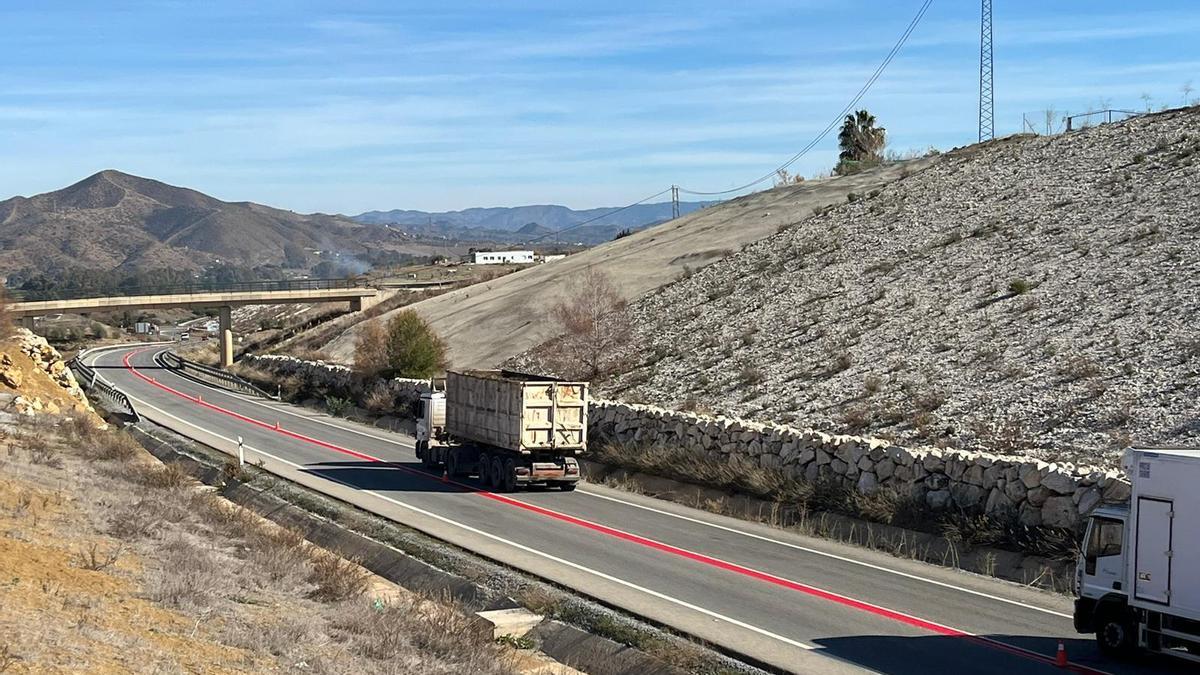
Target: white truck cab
{"x": 1138, "y": 577}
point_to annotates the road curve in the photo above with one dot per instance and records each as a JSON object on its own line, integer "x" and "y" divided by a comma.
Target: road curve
{"x": 795, "y": 603}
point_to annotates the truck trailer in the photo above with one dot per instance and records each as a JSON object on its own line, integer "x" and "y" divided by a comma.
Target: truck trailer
{"x": 512, "y": 430}
{"x": 1138, "y": 578}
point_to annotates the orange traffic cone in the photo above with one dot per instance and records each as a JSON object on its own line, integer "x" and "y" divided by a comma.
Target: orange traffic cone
{"x": 1060, "y": 659}
{"x": 445, "y": 475}
{"x": 276, "y": 426}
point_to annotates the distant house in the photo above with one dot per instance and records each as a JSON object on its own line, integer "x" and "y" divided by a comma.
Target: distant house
{"x": 501, "y": 257}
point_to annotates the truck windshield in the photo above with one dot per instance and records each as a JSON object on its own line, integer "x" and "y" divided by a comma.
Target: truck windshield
{"x": 1107, "y": 535}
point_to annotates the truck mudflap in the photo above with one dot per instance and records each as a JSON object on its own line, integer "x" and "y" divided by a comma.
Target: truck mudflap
{"x": 1085, "y": 615}
{"x": 563, "y": 470}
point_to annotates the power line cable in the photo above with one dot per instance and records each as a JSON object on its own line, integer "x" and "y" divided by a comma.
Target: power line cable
{"x": 592, "y": 220}
{"x": 836, "y": 120}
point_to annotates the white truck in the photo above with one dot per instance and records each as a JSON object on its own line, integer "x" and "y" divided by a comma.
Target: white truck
{"x": 511, "y": 429}
{"x": 1138, "y": 578}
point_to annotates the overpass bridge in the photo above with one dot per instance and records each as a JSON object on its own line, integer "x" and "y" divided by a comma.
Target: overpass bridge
{"x": 223, "y": 299}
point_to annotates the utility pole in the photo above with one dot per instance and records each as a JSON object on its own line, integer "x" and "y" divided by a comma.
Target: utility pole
{"x": 987, "y": 127}
{"x": 674, "y": 202}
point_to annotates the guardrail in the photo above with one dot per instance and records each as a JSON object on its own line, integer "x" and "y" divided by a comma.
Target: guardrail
{"x": 31, "y": 295}
{"x": 210, "y": 375}
{"x": 92, "y": 383}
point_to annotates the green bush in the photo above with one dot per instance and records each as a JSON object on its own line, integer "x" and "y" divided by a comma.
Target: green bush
{"x": 405, "y": 347}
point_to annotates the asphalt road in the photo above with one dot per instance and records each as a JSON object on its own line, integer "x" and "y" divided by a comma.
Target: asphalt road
{"x": 796, "y": 603}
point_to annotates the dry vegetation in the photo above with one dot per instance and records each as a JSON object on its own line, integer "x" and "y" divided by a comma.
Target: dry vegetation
{"x": 113, "y": 563}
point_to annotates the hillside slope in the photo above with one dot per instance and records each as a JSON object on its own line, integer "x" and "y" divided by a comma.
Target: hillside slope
{"x": 1031, "y": 294}
{"x": 112, "y": 219}
{"x": 488, "y": 323}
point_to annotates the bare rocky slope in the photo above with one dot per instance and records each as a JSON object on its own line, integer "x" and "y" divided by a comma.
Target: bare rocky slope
{"x": 1031, "y": 295}
{"x": 488, "y": 323}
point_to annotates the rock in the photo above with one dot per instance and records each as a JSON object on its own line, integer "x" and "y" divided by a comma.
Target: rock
{"x": 839, "y": 467}
{"x": 1089, "y": 501}
{"x": 1029, "y": 515}
{"x": 998, "y": 502}
{"x": 937, "y": 499}
{"x": 1060, "y": 511}
{"x": 1059, "y": 482}
{"x": 885, "y": 469}
{"x": 867, "y": 483}
{"x": 937, "y": 481}
{"x": 1038, "y": 496}
{"x": 966, "y": 495}
{"x": 1015, "y": 490}
{"x": 1117, "y": 491}
{"x": 1031, "y": 475}
{"x": 12, "y": 377}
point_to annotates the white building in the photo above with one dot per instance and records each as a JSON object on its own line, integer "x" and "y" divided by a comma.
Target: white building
{"x": 500, "y": 257}
{"x": 552, "y": 257}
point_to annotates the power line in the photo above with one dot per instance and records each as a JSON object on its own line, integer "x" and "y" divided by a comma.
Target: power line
{"x": 603, "y": 215}
{"x": 837, "y": 120}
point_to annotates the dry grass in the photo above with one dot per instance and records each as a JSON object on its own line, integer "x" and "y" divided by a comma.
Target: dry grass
{"x": 126, "y": 566}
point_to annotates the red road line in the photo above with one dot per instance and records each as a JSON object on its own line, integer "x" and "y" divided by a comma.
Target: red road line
{"x": 814, "y": 591}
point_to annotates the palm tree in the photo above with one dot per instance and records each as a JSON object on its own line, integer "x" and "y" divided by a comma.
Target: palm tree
{"x": 860, "y": 140}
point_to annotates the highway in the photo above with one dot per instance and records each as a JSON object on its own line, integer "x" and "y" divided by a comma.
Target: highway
{"x": 796, "y": 603}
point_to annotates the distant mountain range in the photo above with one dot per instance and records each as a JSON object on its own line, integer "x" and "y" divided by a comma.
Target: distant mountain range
{"x": 521, "y": 223}
{"x": 112, "y": 220}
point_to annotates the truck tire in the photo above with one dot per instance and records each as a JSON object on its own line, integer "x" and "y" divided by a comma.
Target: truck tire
{"x": 508, "y": 475}
{"x": 452, "y": 467}
{"x": 568, "y": 487}
{"x": 485, "y": 470}
{"x": 1116, "y": 633}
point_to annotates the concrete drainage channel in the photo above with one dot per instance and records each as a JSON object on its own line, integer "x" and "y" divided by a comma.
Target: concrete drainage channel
{"x": 614, "y": 643}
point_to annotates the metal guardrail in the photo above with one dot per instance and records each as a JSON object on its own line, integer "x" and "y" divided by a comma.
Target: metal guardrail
{"x": 210, "y": 375}
{"x": 33, "y": 295}
{"x": 96, "y": 385}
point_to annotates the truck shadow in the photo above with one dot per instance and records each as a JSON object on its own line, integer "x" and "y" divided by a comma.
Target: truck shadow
{"x": 985, "y": 654}
{"x": 390, "y": 476}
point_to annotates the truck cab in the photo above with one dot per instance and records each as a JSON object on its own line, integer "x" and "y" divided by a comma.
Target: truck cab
{"x": 1137, "y": 579}
{"x": 1102, "y": 606}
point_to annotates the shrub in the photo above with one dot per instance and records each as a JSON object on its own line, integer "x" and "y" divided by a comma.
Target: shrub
{"x": 338, "y": 407}
{"x": 405, "y": 347}
{"x": 594, "y": 319}
{"x": 337, "y": 579}
{"x": 873, "y": 384}
{"x": 1020, "y": 286}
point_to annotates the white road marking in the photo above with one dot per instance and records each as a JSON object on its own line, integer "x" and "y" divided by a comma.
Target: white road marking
{"x": 513, "y": 544}
{"x": 834, "y": 556}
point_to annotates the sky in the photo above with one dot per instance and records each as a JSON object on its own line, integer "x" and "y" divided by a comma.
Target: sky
{"x": 356, "y": 105}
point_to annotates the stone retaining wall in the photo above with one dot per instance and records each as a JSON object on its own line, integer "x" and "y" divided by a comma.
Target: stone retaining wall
{"x": 334, "y": 378}
{"x": 1038, "y": 493}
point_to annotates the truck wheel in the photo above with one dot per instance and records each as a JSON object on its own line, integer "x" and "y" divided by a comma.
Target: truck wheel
{"x": 568, "y": 487}
{"x": 1115, "y": 634}
{"x": 497, "y": 470}
{"x": 485, "y": 470}
{"x": 508, "y": 476}
{"x": 452, "y": 464}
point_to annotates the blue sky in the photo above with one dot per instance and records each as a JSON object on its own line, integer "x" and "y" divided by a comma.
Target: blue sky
{"x": 357, "y": 105}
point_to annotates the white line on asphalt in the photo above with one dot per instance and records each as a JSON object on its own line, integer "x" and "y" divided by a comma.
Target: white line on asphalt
{"x": 825, "y": 554}
{"x": 521, "y": 547}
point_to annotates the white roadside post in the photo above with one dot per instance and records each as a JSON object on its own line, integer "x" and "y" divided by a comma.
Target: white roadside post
{"x": 241, "y": 453}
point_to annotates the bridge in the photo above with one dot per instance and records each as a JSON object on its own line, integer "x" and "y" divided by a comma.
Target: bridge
{"x": 195, "y": 296}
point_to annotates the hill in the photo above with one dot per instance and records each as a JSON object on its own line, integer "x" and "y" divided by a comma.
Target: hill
{"x": 487, "y": 323}
{"x": 520, "y": 223}
{"x": 114, "y": 220}
{"x": 1031, "y": 294}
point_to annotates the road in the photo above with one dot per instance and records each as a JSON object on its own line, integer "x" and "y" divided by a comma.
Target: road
{"x": 797, "y": 603}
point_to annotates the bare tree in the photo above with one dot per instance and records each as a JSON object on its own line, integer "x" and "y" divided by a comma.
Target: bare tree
{"x": 596, "y": 327}
{"x": 1187, "y": 92}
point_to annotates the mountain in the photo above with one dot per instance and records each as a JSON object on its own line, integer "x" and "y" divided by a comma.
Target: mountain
{"x": 516, "y": 223}
{"x": 113, "y": 220}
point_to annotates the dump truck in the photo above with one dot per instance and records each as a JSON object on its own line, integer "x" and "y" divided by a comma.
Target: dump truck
{"x": 1137, "y": 580}
{"x": 511, "y": 429}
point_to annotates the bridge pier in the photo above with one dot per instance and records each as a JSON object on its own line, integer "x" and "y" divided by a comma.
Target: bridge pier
{"x": 27, "y": 322}
{"x": 225, "y": 316}
{"x": 358, "y": 304}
